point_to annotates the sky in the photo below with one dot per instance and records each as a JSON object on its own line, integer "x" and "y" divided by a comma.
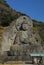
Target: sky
{"x": 33, "y": 8}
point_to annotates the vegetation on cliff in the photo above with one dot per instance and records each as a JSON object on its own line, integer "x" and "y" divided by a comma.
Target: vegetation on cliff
{"x": 39, "y": 26}
{"x": 7, "y": 15}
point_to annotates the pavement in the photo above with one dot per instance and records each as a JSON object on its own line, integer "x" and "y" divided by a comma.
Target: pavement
{"x": 21, "y": 64}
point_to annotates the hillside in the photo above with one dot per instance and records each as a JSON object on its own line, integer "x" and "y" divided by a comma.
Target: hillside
{"x": 7, "y": 15}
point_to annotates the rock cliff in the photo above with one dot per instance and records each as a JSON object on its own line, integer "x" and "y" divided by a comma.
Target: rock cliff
{"x": 22, "y": 36}
{"x": 20, "y": 39}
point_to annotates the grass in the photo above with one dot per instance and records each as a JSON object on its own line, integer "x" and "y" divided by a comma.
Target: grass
{"x": 35, "y": 29}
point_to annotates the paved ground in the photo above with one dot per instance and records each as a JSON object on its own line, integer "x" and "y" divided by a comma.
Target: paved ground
{"x": 21, "y": 64}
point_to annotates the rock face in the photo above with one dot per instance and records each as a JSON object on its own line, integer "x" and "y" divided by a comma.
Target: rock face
{"x": 20, "y": 39}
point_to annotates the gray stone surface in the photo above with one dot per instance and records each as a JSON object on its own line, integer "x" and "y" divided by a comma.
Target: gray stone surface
{"x": 20, "y": 40}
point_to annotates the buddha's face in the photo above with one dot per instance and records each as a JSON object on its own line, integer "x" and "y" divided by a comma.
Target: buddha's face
{"x": 25, "y": 26}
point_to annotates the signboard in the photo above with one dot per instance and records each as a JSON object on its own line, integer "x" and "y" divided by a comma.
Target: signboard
{"x": 36, "y": 54}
